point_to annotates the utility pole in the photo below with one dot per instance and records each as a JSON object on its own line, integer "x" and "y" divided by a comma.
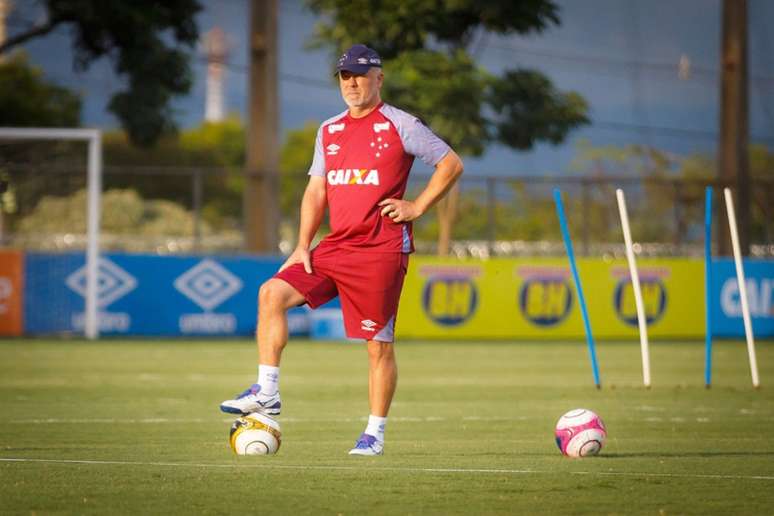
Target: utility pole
{"x": 733, "y": 153}
{"x": 5, "y": 9}
{"x": 261, "y": 194}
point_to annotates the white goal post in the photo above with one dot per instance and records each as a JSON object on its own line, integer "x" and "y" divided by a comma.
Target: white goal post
{"x": 94, "y": 138}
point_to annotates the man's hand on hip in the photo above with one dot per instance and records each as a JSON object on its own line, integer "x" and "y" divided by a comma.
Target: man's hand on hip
{"x": 299, "y": 255}
{"x": 399, "y": 210}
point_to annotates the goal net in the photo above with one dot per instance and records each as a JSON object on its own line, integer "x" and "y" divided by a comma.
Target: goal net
{"x": 39, "y": 169}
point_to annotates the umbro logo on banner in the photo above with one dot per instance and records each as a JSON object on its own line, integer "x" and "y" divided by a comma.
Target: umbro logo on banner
{"x": 208, "y": 284}
{"x": 113, "y": 282}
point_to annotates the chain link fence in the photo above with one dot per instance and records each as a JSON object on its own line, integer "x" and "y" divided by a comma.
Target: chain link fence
{"x": 168, "y": 210}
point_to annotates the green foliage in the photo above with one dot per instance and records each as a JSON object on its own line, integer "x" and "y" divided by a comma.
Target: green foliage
{"x": 145, "y": 39}
{"x": 295, "y": 159}
{"x": 761, "y": 161}
{"x": 212, "y": 144}
{"x": 166, "y": 152}
{"x": 27, "y": 100}
{"x": 629, "y": 160}
{"x": 528, "y": 109}
{"x": 223, "y": 143}
{"x": 123, "y": 212}
{"x": 446, "y": 91}
{"x": 527, "y": 215}
{"x": 216, "y": 150}
{"x": 396, "y": 26}
{"x": 430, "y": 73}
{"x": 219, "y": 149}
{"x": 668, "y": 197}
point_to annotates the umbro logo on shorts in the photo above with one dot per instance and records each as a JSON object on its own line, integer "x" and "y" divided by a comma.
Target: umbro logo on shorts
{"x": 367, "y": 325}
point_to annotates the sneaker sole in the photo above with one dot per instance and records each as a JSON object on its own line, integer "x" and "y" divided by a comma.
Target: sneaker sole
{"x": 365, "y": 453}
{"x": 234, "y": 410}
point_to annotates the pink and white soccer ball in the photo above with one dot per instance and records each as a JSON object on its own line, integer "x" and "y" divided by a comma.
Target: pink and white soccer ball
{"x": 580, "y": 433}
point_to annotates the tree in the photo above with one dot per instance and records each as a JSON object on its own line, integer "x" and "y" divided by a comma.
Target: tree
{"x": 27, "y": 100}
{"x": 124, "y": 212}
{"x": 143, "y": 38}
{"x": 295, "y": 160}
{"x": 129, "y": 222}
{"x": 432, "y": 74}
{"x": 646, "y": 174}
{"x": 668, "y": 188}
{"x": 214, "y": 149}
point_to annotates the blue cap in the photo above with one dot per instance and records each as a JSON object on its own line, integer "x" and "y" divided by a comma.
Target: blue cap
{"x": 358, "y": 60}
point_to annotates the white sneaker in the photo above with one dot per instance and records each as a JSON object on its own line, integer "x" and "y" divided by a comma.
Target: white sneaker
{"x": 368, "y": 445}
{"x": 253, "y": 400}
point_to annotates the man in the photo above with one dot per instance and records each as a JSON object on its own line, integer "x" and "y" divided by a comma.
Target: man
{"x": 361, "y": 164}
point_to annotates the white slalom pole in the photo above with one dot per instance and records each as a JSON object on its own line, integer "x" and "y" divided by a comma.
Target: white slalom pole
{"x": 642, "y": 321}
{"x": 748, "y": 333}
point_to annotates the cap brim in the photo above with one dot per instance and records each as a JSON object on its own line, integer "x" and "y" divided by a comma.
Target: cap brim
{"x": 359, "y": 69}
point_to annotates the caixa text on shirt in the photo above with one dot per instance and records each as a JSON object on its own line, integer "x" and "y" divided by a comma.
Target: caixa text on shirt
{"x": 353, "y": 176}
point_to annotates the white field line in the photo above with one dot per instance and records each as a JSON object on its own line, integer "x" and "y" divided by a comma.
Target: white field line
{"x": 155, "y": 420}
{"x": 407, "y": 419}
{"x": 388, "y": 469}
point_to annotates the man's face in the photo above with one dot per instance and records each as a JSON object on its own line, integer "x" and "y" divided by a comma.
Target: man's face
{"x": 360, "y": 90}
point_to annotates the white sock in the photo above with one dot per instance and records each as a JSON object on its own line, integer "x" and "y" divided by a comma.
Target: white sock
{"x": 268, "y": 378}
{"x": 376, "y": 426}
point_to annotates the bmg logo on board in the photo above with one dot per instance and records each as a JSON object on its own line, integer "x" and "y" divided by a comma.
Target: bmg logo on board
{"x": 545, "y": 298}
{"x": 654, "y": 294}
{"x": 450, "y": 295}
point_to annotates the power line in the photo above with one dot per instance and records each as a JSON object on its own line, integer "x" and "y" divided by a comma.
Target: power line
{"x": 289, "y": 77}
{"x": 599, "y": 124}
{"x": 676, "y": 131}
{"x": 611, "y": 62}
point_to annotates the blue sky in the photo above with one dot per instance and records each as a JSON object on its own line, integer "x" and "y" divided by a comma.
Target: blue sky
{"x": 621, "y": 55}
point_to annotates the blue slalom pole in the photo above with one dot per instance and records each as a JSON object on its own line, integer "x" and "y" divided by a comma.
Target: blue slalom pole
{"x": 708, "y": 286}
{"x": 581, "y": 299}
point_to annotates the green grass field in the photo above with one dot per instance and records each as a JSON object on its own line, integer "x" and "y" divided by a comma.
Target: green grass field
{"x": 134, "y": 427}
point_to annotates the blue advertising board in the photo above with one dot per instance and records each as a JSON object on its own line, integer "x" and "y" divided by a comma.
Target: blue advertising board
{"x": 150, "y": 295}
{"x": 727, "y": 307}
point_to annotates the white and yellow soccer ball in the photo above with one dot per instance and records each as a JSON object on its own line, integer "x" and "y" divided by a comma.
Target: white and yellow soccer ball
{"x": 580, "y": 433}
{"x": 255, "y": 434}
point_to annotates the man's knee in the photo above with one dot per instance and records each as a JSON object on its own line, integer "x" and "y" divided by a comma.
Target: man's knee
{"x": 378, "y": 350}
{"x": 275, "y": 293}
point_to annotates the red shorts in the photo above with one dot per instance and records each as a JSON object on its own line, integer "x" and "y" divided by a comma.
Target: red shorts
{"x": 368, "y": 284}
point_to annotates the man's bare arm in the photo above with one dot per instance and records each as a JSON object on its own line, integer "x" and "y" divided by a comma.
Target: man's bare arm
{"x": 447, "y": 171}
{"x": 312, "y": 211}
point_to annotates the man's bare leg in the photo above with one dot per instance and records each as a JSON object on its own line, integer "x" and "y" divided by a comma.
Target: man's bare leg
{"x": 274, "y": 299}
{"x": 382, "y": 379}
{"x": 382, "y": 376}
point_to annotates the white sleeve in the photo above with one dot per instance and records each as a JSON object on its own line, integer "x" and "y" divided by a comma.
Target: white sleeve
{"x": 418, "y": 140}
{"x": 318, "y": 162}
{"x": 423, "y": 143}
